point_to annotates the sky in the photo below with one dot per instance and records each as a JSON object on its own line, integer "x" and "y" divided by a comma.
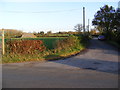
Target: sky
{"x": 36, "y": 16}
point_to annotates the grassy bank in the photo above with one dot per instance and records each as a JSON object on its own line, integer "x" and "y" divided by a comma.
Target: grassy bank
{"x": 47, "y": 55}
{"x": 64, "y": 48}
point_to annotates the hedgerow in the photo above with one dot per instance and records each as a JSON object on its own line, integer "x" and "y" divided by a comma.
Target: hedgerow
{"x": 72, "y": 42}
{"x": 32, "y": 50}
{"x": 24, "y": 46}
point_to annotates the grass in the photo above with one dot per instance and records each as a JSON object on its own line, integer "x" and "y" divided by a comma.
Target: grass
{"x": 47, "y": 55}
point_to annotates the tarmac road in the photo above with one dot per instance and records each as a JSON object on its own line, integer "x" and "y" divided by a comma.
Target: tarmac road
{"x": 95, "y": 68}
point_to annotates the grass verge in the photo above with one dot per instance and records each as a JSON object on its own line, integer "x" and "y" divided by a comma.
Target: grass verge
{"x": 47, "y": 55}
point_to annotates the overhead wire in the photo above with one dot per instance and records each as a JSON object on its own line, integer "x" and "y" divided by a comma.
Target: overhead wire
{"x": 55, "y": 11}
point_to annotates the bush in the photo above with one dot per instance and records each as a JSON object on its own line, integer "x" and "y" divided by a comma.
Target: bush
{"x": 24, "y": 46}
{"x": 68, "y": 43}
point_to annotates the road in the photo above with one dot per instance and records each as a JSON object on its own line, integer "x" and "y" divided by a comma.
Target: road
{"x": 97, "y": 67}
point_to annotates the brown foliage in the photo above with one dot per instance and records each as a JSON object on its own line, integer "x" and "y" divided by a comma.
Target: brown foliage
{"x": 11, "y": 33}
{"x": 67, "y": 43}
{"x": 25, "y": 46}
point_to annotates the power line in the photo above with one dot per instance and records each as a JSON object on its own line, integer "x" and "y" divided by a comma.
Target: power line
{"x": 55, "y": 11}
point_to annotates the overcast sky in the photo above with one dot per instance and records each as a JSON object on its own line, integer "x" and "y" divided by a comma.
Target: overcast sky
{"x": 37, "y": 16}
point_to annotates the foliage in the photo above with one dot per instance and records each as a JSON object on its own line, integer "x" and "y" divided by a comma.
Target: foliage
{"x": 78, "y": 28}
{"x": 49, "y": 42}
{"x": 49, "y": 32}
{"x": 57, "y": 34}
{"x": 25, "y": 46}
{"x": 64, "y": 47}
{"x": 94, "y": 32}
{"x": 11, "y": 33}
{"x": 41, "y": 33}
{"x": 68, "y": 43}
{"x": 107, "y": 20}
{"x": 103, "y": 17}
{"x": 69, "y": 32}
{"x": 52, "y": 35}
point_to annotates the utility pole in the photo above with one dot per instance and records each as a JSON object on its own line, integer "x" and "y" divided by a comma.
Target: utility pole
{"x": 3, "y": 42}
{"x": 88, "y": 25}
{"x": 84, "y": 19}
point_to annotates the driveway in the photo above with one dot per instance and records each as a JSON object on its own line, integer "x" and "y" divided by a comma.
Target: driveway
{"x": 97, "y": 67}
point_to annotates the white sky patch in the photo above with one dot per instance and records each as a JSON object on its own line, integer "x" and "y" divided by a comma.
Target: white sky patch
{"x": 59, "y": 0}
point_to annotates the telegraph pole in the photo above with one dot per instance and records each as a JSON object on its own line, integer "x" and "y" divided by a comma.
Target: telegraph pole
{"x": 84, "y": 19}
{"x": 88, "y": 25}
{"x": 3, "y": 42}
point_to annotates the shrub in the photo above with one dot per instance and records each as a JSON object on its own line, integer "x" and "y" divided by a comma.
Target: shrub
{"x": 25, "y": 46}
{"x": 68, "y": 43}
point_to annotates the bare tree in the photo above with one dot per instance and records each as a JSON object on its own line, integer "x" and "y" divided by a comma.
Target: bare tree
{"x": 78, "y": 28}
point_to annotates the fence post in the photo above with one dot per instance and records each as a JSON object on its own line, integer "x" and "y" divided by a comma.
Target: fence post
{"x": 3, "y": 42}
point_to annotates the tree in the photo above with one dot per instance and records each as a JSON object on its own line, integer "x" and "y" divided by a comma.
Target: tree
{"x": 49, "y": 32}
{"x": 78, "y": 28}
{"x": 41, "y": 32}
{"x": 12, "y": 33}
{"x": 34, "y": 32}
{"x": 100, "y": 29}
{"x": 93, "y": 31}
{"x": 104, "y": 18}
{"x": 117, "y": 19}
{"x": 116, "y": 31}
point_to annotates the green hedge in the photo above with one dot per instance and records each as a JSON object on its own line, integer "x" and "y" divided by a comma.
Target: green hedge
{"x": 48, "y": 41}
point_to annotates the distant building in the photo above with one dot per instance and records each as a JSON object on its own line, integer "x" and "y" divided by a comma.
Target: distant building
{"x": 28, "y": 35}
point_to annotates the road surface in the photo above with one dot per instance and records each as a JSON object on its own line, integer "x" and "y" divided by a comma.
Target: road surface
{"x": 95, "y": 68}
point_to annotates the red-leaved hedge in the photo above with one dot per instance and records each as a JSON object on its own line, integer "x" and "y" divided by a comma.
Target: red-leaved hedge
{"x": 25, "y": 46}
